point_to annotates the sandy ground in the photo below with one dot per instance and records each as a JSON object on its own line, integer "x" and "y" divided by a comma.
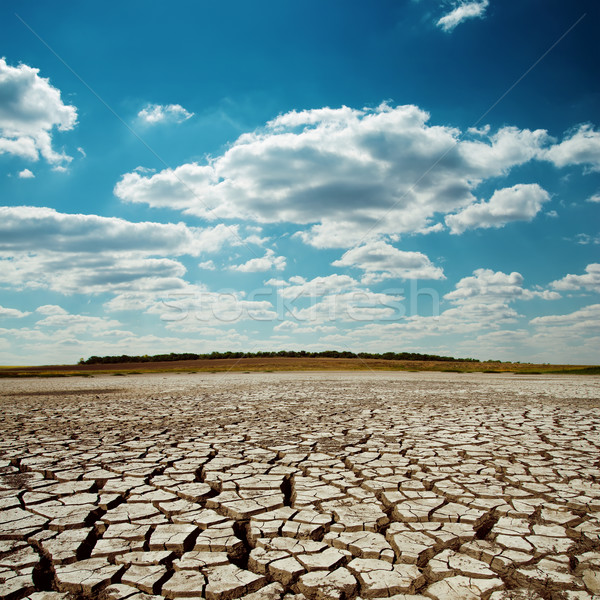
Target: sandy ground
{"x": 301, "y": 485}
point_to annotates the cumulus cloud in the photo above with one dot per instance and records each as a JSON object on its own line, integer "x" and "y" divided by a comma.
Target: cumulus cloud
{"x": 344, "y": 172}
{"x": 51, "y": 309}
{"x": 521, "y": 202}
{"x": 193, "y": 307}
{"x": 583, "y": 321}
{"x": 164, "y": 113}
{"x": 590, "y": 280}
{"x": 581, "y": 147}
{"x": 70, "y": 324}
{"x": 594, "y": 198}
{"x": 462, "y": 12}
{"x": 30, "y": 111}
{"x": 269, "y": 262}
{"x": 380, "y": 260}
{"x": 480, "y": 304}
{"x": 86, "y": 273}
{"x": 193, "y": 312}
{"x": 74, "y": 253}
{"x": 30, "y": 228}
{"x": 12, "y": 313}
{"x": 486, "y": 286}
{"x": 26, "y": 174}
{"x": 352, "y": 306}
{"x": 298, "y": 287}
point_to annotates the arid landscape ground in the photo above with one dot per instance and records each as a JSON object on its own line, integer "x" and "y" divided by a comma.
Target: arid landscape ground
{"x": 293, "y": 486}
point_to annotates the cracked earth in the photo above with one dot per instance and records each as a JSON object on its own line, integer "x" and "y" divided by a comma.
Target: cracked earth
{"x": 275, "y": 486}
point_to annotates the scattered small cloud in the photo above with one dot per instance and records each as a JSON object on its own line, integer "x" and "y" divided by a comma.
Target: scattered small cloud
{"x": 164, "y": 113}
{"x": 584, "y": 239}
{"x": 144, "y": 170}
{"x": 462, "y": 12}
{"x": 207, "y": 265}
{"x": 26, "y": 174}
{"x": 268, "y": 262}
{"x": 594, "y": 198}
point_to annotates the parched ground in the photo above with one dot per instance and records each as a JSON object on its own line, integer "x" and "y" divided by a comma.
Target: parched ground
{"x": 286, "y": 486}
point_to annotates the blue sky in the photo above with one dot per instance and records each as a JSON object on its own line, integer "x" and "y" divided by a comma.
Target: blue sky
{"x": 195, "y": 176}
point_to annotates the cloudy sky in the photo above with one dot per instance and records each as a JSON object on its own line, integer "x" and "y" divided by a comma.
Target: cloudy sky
{"x": 410, "y": 175}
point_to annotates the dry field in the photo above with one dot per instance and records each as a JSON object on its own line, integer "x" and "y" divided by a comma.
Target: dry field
{"x": 287, "y": 486}
{"x": 268, "y": 364}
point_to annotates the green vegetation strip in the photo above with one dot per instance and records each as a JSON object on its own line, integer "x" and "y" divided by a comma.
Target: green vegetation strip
{"x": 124, "y": 358}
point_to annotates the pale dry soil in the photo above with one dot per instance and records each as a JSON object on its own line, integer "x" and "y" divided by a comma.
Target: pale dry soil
{"x": 294, "y": 486}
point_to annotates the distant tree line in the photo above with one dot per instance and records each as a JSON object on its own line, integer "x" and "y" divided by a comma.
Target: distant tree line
{"x": 124, "y": 358}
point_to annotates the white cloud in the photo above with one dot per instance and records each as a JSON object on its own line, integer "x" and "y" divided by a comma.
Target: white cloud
{"x": 87, "y": 273}
{"x": 298, "y": 287}
{"x": 70, "y": 325}
{"x": 12, "y": 313}
{"x": 487, "y": 286}
{"x": 464, "y": 11}
{"x": 352, "y": 306}
{"x": 51, "y": 309}
{"x": 74, "y": 253}
{"x": 347, "y": 173}
{"x": 381, "y": 260}
{"x": 30, "y": 110}
{"x": 581, "y": 147}
{"x": 30, "y": 229}
{"x": 26, "y": 174}
{"x": 481, "y": 305}
{"x": 329, "y": 298}
{"x": 270, "y": 261}
{"x": 191, "y": 306}
{"x": 66, "y": 339}
{"x": 594, "y": 198}
{"x": 584, "y": 239}
{"x": 521, "y": 202}
{"x": 276, "y": 282}
{"x": 208, "y": 265}
{"x": 581, "y": 322}
{"x": 211, "y": 309}
{"x": 494, "y": 154}
{"x": 590, "y": 280}
{"x": 164, "y": 113}
{"x": 296, "y": 328}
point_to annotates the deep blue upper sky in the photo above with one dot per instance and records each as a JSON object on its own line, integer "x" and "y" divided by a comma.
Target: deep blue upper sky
{"x": 501, "y": 228}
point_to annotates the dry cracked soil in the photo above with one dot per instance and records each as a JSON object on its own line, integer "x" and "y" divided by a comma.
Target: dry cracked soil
{"x": 294, "y": 486}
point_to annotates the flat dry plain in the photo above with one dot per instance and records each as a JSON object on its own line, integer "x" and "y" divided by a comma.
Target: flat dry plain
{"x": 285, "y": 486}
